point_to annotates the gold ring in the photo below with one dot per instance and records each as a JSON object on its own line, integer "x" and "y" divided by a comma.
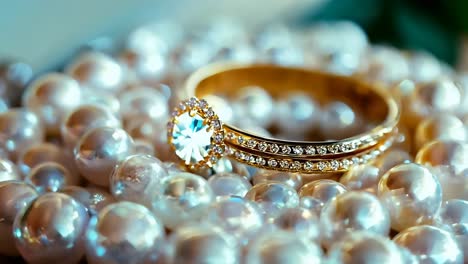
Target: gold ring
{"x": 199, "y": 138}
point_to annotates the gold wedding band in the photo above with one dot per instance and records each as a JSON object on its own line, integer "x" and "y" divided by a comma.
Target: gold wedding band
{"x": 199, "y": 138}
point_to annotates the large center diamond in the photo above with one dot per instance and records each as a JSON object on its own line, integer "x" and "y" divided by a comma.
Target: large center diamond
{"x": 191, "y": 138}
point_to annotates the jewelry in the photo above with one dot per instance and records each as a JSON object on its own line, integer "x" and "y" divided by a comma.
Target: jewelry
{"x": 199, "y": 138}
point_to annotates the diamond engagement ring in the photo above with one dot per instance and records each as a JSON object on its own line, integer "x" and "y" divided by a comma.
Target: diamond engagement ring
{"x": 199, "y": 138}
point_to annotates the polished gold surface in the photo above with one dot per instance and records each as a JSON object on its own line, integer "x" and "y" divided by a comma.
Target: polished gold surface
{"x": 317, "y": 155}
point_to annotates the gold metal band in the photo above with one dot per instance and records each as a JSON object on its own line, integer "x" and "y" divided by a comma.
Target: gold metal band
{"x": 371, "y": 101}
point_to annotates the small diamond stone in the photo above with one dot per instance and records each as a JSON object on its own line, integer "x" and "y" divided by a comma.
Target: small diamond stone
{"x": 333, "y": 149}
{"x": 213, "y": 159}
{"x": 272, "y": 163}
{"x": 296, "y": 165}
{"x": 262, "y": 146}
{"x": 285, "y": 149}
{"x": 297, "y": 150}
{"x": 322, "y": 150}
{"x": 356, "y": 160}
{"x": 308, "y": 165}
{"x": 284, "y": 164}
{"x": 274, "y": 148}
{"x": 203, "y": 103}
{"x": 210, "y": 112}
{"x": 240, "y": 140}
{"x": 260, "y": 161}
{"x": 191, "y": 138}
{"x": 251, "y": 143}
{"x": 192, "y": 102}
{"x": 230, "y": 135}
{"x": 219, "y": 137}
{"x": 252, "y": 159}
{"x": 182, "y": 106}
{"x": 334, "y": 165}
{"x": 345, "y": 164}
{"x": 310, "y": 150}
{"x": 216, "y": 124}
{"x": 344, "y": 147}
{"x": 219, "y": 149}
{"x": 322, "y": 165}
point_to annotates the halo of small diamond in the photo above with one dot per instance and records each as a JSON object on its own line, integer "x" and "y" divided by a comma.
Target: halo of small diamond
{"x": 192, "y": 107}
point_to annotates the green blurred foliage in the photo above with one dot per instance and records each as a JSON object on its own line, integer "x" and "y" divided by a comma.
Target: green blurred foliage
{"x": 432, "y": 25}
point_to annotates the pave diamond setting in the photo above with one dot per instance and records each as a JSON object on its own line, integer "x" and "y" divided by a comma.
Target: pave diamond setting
{"x": 196, "y": 134}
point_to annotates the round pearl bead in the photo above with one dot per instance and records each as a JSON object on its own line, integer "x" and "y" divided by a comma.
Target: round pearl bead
{"x": 323, "y": 190}
{"x": 362, "y": 177}
{"x": 411, "y": 193}
{"x": 203, "y": 244}
{"x": 256, "y": 104}
{"x": 353, "y": 211}
{"x": 453, "y": 154}
{"x": 136, "y": 178}
{"x": 446, "y": 127}
{"x": 282, "y": 247}
{"x": 14, "y": 196}
{"x": 300, "y": 221}
{"x": 99, "y": 150}
{"x": 84, "y": 118}
{"x": 272, "y": 197}
{"x": 123, "y": 232}
{"x": 96, "y": 70}
{"x": 237, "y": 216}
{"x": 297, "y": 114}
{"x": 312, "y": 204}
{"x": 430, "y": 244}
{"x": 387, "y": 65}
{"x": 50, "y": 177}
{"x": 229, "y": 184}
{"x": 52, "y": 97}
{"x": 447, "y": 160}
{"x": 51, "y": 230}
{"x": 454, "y": 216}
{"x": 148, "y": 66}
{"x": 366, "y": 248}
{"x": 441, "y": 95}
{"x": 391, "y": 158}
{"x": 424, "y": 67}
{"x": 46, "y": 152}
{"x": 94, "y": 198}
{"x": 338, "y": 121}
{"x": 101, "y": 99}
{"x": 181, "y": 198}
{"x": 8, "y": 171}
{"x": 291, "y": 179}
{"x": 143, "y": 103}
{"x": 19, "y": 129}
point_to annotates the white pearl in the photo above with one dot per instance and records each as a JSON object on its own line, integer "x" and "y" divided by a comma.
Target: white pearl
{"x": 323, "y": 190}
{"x": 362, "y": 177}
{"x": 136, "y": 178}
{"x": 143, "y": 103}
{"x": 430, "y": 244}
{"x": 123, "y": 232}
{"x": 365, "y": 248}
{"x": 297, "y": 114}
{"x": 312, "y": 204}
{"x": 282, "y": 247}
{"x": 222, "y": 107}
{"x": 96, "y": 70}
{"x": 272, "y": 197}
{"x": 203, "y": 244}
{"x": 353, "y": 211}
{"x": 292, "y": 179}
{"x": 255, "y": 104}
{"x": 51, "y": 229}
{"x": 229, "y": 184}
{"x": 424, "y": 67}
{"x": 338, "y": 121}
{"x": 299, "y": 221}
{"x": 411, "y": 193}
{"x": 181, "y": 198}
{"x": 45, "y": 96}
{"x": 236, "y": 216}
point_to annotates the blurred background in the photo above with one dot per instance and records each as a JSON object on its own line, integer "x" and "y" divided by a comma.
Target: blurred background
{"x": 46, "y": 33}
